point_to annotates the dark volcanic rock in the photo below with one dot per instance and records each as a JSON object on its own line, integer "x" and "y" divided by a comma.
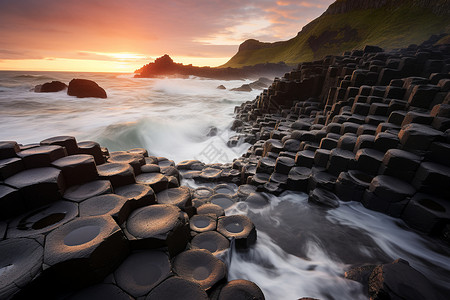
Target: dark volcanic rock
{"x": 21, "y": 261}
{"x": 201, "y": 267}
{"x": 177, "y": 288}
{"x": 398, "y": 280}
{"x": 83, "y": 88}
{"x": 50, "y": 87}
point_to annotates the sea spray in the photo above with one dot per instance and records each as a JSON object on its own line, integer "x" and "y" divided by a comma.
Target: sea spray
{"x": 169, "y": 117}
{"x": 304, "y": 250}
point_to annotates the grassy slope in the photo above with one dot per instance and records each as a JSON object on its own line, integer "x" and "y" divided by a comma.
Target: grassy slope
{"x": 388, "y": 28}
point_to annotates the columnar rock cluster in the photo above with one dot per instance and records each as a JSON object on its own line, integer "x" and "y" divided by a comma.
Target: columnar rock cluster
{"x": 368, "y": 126}
{"x": 77, "y": 221}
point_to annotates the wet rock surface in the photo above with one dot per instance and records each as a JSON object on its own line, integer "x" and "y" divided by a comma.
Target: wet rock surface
{"x": 365, "y": 126}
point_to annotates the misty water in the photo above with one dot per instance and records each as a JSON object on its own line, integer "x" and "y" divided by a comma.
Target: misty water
{"x": 302, "y": 250}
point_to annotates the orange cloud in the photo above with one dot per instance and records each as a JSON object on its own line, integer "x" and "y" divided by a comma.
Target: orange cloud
{"x": 115, "y": 30}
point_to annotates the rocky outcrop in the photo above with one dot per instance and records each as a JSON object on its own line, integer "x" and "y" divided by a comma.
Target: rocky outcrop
{"x": 369, "y": 126}
{"x": 50, "y": 87}
{"x": 83, "y": 88}
{"x": 165, "y": 66}
{"x": 74, "y": 215}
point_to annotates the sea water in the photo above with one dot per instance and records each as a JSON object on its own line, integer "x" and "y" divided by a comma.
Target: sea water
{"x": 176, "y": 118}
{"x": 302, "y": 250}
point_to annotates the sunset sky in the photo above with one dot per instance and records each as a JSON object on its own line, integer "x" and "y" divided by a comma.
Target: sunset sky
{"x": 123, "y": 35}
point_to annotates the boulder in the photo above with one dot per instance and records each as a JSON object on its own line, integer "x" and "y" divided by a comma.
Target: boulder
{"x": 50, "y": 87}
{"x": 83, "y": 88}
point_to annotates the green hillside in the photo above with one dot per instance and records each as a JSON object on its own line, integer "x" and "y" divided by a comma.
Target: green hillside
{"x": 352, "y": 24}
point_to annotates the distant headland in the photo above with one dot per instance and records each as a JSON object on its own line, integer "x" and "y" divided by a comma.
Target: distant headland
{"x": 165, "y": 66}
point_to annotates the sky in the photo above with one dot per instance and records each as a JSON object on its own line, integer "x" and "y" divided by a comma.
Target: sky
{"x": 123, "y": 35}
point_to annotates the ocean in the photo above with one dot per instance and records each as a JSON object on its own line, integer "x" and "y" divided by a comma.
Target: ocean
{"x": 302, "y": 250}
{"x": 172, "y": 118}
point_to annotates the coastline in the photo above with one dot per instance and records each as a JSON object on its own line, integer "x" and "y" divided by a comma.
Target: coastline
{"x": 340, "y": 129}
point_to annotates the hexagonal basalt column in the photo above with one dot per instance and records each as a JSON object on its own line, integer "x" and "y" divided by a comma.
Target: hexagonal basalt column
{"x": 157, "y": 181}
{"x": 427, "y": 213}
{"x": 42, "y": 220}
{"x": 91, "y": 189}
{"x": 135, "y": 160}
{"x": 432, "y": 178}
{"x": 201, "y": 267}
{"x": 11, "y": 204}
{"x": 350, "y": 186}
{"x": 84, "y": 250}
{"x": 239, "y": 227}
{"x": 77, "y": 169}
{"x": 10, "y": 167}
{"x": 212, "y": 241}
{"x": 155, "y": 226}
{"x": 118, "y": 173}
{"x": 92, "y": 148}
{"x": 177, "y": 288}
{"x": 222, "y": 200}
{"x": 417, "y": 137}
{"x": 400, "y": 164}
{"x": 112, "y": 205}
{"x": 38, "y": 186}
{"x": 8, "y": 149}
{"x": 298, "y": 178}
{"x": 142, "y": 271}
{"x": 67, "y": 142}
{"x": 203, "y": 223}
{"x": 140, "y": 195}
{"x": 240, "y": 289}
{"x": 41, "y": 156}
{"x": 20, "y": 262}
{"x": 180, "y": 197}
{"x": 202, "y": 193}
{"x": 210, "y": 208}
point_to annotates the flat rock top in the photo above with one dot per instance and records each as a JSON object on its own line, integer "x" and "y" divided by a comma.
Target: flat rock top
{"x": 34, "y": 176}
{"x": 153, "y": 221}
{"x": 110, "y": 169}
{"x": 74, "y": 160}
{"x": 39, "y": 150}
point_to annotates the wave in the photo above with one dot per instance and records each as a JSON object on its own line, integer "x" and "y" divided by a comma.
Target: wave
{"x": 303, "y": 250}
{"x": 34, "y": 76}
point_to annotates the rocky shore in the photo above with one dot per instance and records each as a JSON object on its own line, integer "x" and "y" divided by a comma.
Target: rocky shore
{"x": 368, "y": 126}
{"x": 78, "y": 221}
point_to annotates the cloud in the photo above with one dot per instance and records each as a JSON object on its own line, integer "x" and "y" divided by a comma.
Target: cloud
{"x": 96, "y": 28}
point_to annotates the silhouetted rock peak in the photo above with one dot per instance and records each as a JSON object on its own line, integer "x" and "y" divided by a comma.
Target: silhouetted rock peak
{"x": 164, "y": 60}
